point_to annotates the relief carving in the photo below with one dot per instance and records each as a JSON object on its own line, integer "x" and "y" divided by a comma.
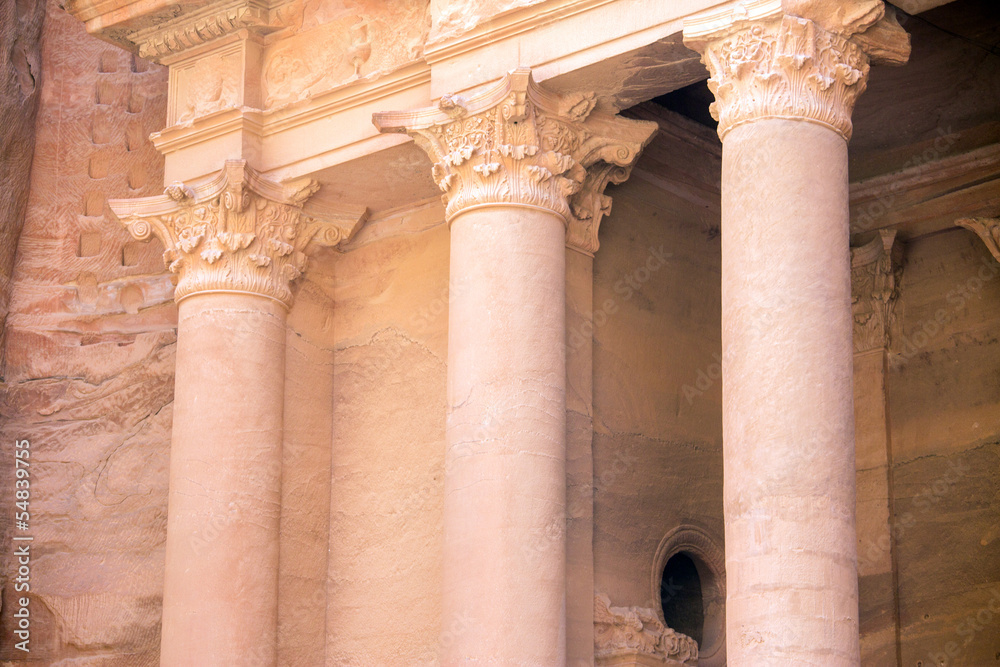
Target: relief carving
{"x": 519, "y": 144}
{"x": 199, "y": 27}
{"x": 988, "y": 229}
{"x": 208, "y": 84}
{"x": 875, "y": 272}
{"x": 238, "y": 232}
{"x": 636, "y": 633}
{"x": 785, "y": 66}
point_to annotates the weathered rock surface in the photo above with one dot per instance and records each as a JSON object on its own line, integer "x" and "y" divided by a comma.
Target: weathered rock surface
{"x": 90, "y": 357}
{"x": 20, "y": 88}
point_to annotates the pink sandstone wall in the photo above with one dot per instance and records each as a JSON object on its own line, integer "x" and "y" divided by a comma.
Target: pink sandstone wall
{"x": 90, "y": 360}
{"x": 20, "y": 92}
{"x": 390, "y": 324}
{"x": 657, "y": 396}
{"x": 943, "y": 398}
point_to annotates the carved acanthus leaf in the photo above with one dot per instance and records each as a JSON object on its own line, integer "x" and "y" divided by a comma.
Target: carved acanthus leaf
{"x": 765, "y": 63}
{"x": 875, "y": 272}
{"x": 988, "y": 229}
{"x": 238, "y": 232}
{"x": 632, "y": 631}
{"x": 519, "y": 144}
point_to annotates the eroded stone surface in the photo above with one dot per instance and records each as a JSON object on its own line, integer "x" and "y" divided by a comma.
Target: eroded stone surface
{"x": 90, "y": 355}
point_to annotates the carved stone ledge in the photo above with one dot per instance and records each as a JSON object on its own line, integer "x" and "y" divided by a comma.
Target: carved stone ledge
{"x": 765, "y": 63}
{"x": 520, "y": 144}
{"x": 988, "y": 229}
{"x": 875, "y": 272}
{"x": 157, "y": 33}
{"x": 635, "y": 636}
{"x": 236, "y": 233}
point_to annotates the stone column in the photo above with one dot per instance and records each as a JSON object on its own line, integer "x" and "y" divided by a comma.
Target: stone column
{"x": 785, "y": 77}
{"x": 237, "y": 243}
{"x": 523, "y": 172}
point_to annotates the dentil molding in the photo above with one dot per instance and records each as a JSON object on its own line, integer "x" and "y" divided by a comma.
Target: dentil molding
{"x": 766, "y": 63}
{"x": 238, "y": 232}
{"x": 519, "y": 144}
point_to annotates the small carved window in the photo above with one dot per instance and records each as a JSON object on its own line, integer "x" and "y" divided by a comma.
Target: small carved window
{"x": 689, "y": 578}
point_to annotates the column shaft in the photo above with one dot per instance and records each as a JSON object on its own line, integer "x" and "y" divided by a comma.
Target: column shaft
{"x": 505, "y": 485}
{"x": 220, "y": 602}
{"x": 523, "y": 171}
{"x": 788, "y": 422}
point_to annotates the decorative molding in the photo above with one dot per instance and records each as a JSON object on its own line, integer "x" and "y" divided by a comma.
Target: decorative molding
{"x": 988, "y": 229}
{"x": 519, "y": 144}
{"x": 625, "y": 635}
{"x": 767, "y": 64}
{"x": 212, "y": 21}
{"x": 236, "y": 233}
{"x": 875, "y": 273}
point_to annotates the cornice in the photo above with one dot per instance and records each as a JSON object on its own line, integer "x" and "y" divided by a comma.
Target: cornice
{"x": 157, "y": 30}
{"x": 266, "y": 123}
{"x": 237, "y": 232}
{"x": 517, "y": 143}
{"x": 504, "y": 26}
{"x": 928, "y": 196}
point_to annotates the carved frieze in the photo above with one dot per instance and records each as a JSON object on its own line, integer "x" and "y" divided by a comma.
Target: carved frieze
{"x": 765, "y": 63}
{"x": 875, "y": 272}
{"x": 237, "y": 233}
{"x": 212, "y": 21}
{"x": 519, "y": 144}
{"x": 625, "y": 635}
{"x": 988, "y": 229}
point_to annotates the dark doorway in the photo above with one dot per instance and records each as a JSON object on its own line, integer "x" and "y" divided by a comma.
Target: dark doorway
{"x": 680, "y": 595}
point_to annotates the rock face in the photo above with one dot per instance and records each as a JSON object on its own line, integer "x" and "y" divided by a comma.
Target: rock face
{"x": 20, "y": 88}
{"x": 90, "y": 356}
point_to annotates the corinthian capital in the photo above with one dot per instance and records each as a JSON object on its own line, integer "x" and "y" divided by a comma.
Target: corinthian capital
{"x": 797, "y": 59}
{"x": 236, "y": 233}
{"x": 518, "y": 144}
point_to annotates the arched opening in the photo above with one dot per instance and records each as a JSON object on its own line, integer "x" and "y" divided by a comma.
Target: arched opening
{"x": 682, "y": 598}
{"x": 689, "y": 575}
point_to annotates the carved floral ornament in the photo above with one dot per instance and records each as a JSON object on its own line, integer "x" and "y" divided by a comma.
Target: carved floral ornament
{"x": 875, "y": 271}
{"x": 765, "y": 63}
{"x": 236, "y": 233}
{"x": 519, "y": 144}
{"x": 636, "y": 633}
